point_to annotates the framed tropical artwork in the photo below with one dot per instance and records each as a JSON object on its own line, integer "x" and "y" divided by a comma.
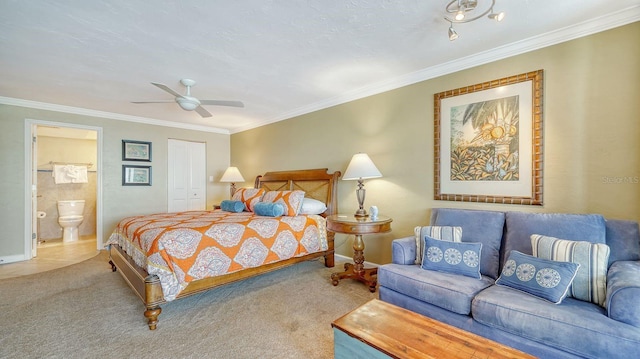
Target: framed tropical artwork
{"x": 136, "y": 151}
{"x": 488, "y": 141}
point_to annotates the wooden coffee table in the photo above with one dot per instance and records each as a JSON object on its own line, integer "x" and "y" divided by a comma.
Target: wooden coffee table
{"x": 378, "y": 329}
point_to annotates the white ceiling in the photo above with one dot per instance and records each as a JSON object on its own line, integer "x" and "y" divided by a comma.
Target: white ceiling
{"x": 281, "y": 58}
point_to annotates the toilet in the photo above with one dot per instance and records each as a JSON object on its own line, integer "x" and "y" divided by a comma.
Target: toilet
{"x": 69, "y": 218}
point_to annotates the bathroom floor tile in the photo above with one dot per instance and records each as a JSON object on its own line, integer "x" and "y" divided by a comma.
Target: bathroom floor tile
{"x": 52, "y": 254}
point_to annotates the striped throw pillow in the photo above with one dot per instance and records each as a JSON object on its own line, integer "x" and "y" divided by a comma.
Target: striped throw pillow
{"x": 443, "y": 233}
{"x": 590, "y": 283}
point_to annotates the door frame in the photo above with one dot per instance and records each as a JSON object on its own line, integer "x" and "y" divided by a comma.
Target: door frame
{"x": 30, "y": 124}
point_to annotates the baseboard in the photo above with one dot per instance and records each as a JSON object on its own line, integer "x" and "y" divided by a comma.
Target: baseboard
{"x": 350, "y": 259}
{"x": 12, "y": 259}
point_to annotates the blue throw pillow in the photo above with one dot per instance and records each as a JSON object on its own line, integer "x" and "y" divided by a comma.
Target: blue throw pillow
{"x": 268, "y": 209}
{"x": 452, "y": 257}
{"x": 543, "y": 278}
{"x": 445, "y": 233}
{"x": 232, "y": 206}
{"x": 590, "y": 283}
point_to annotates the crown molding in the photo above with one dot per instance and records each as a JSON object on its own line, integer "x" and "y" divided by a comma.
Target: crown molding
{"x": 603, "y": 23}
{"x": 107, "y": 115}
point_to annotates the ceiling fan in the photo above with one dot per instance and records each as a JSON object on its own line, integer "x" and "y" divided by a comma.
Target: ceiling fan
{"x": 190, "y": 103}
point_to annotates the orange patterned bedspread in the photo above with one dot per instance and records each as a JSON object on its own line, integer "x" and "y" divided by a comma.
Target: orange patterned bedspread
{"x": 187, "y": 246}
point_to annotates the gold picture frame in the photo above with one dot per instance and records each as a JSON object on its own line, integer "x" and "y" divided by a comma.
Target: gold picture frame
{"x": 488, "y": 141}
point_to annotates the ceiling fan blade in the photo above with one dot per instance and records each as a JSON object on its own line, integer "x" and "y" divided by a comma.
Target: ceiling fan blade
{"x": 204, "y": 113}
{"x": 161, "y": 86}
{"x": 222, "y": 103}
{"x": 163, "y": 101}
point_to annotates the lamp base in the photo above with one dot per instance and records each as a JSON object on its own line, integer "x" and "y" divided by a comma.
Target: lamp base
{"x": 361, "y": 213}
{"x": 232, "y": 190}
{"x": 360, "y": 193}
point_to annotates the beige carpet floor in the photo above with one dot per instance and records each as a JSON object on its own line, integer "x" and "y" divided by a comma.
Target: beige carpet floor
{"x": 87, "y": 311}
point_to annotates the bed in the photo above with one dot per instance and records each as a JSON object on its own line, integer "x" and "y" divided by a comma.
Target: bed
{"x": 147, "y": 278}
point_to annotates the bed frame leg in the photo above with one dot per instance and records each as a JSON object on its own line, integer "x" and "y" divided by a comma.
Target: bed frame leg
{"x": 152, "y": 315}
{"x": 153, "y": 297}
{"x": 329, "y": 260}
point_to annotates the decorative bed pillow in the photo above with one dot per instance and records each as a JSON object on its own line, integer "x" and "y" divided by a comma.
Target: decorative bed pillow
{"x": 445, "y": 233}
{"x": 232, "y": 206}
{"x": 268, "y": 209}
{"x": 452, "y": 257}
{"x": 312, "y": 206}
{"x": 249, "y": 196}
{"x": 546, "y": 279}
{"x": 291, "y": 200}
{"x": 590, "y": 283}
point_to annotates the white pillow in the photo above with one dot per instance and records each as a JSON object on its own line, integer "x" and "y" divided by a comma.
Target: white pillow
{"x": 312, "y": 206}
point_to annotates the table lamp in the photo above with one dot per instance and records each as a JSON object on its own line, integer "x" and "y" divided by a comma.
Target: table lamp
{"x": 361, "y": 167}
{"x": 232, "y": 174}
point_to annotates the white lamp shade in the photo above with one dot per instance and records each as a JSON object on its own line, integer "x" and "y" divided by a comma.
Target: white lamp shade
{"x": 232, "y": 174}
{"x": 361, "y": 167}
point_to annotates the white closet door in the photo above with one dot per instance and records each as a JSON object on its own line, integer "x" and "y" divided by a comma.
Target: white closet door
{"x": 187, "y": 176}
{"x": 197, "y": 177}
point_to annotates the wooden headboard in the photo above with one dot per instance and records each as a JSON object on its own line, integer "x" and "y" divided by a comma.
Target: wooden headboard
{"x": 316, "y": 183}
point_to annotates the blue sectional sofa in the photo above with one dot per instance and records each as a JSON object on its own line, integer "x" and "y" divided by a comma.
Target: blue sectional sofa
{"x": 573, "y": 328}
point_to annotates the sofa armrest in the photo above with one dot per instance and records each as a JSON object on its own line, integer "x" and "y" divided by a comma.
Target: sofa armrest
{"x": 623, "y": 292}
{"x": 403, "y": 250}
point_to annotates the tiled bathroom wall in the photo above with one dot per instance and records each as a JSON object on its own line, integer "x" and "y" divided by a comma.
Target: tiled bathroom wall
{"x": 51, "y": 193}
{"x": 73, "y": 151}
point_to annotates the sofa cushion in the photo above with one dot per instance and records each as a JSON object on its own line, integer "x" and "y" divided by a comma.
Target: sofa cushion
{"x": 521, "y": 225}
{"x": 543, "y": 278}
{"x": 452, "y": 257}
{"x": 445, "y": 233}
{"x": 448, "y": 291}
{"x": 575, "y": 326}
{"x": 590, "y": 283}
{"x": 477, "y": 226}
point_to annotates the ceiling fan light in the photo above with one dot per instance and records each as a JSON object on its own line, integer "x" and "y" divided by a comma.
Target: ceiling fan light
{"x": 452, "y": 33}
{"x": 186, "y": 104}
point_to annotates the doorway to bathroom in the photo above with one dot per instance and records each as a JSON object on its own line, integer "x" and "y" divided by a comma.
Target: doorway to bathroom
{"x": 64, "y": 168}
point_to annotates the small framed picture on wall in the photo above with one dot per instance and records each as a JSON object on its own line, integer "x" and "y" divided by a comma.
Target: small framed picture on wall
{"x": 136, "y": 175}
{"x": 136, "y": 151}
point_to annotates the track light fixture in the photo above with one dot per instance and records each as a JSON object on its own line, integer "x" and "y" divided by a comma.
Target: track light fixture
{"x": 497, "y": 17}
{"x": 452, "y": 33}
{"x": 466, "y": 11}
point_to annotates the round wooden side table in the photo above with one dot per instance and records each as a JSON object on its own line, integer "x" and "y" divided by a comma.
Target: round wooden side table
{"x": 358, "y": 226}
